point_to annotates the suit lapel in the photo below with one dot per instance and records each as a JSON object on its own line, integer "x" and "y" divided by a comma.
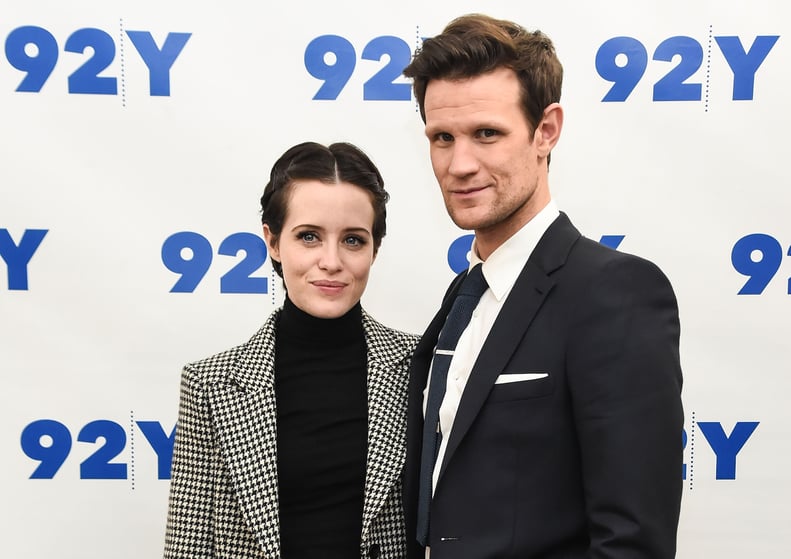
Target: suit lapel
{"x": 418, "y": 379}
{"x": 531, "y": 288}
{"x": 245, "y": 420}
{"x": 424, "y": 352}
{"x": 387, "y": 381}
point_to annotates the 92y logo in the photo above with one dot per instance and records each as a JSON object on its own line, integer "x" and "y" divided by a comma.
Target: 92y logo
{"x": 758, "y": 256}
{"x": 17, "y": 255}
{"x": 624, "y": 60}
{"x": 332, "y": 59}
{"x": 189, "y": 255}
{"x": 50, "y": 442}
{"x": 35, "y": 52}
{"x": 725, "y": 446}
{"x": 459, "y": 250}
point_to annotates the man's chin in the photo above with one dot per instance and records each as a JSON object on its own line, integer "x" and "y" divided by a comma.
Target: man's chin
{"x": 469, "y": 220}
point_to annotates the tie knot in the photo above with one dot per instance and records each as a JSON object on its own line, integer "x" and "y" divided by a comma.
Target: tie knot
{"x": 474, "y": 284}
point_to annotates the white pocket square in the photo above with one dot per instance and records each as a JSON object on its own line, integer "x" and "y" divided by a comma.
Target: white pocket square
{"x": 519, "y": 377}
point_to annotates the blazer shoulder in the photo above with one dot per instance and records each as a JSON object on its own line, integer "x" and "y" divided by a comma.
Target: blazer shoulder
{"x": 565, "y": 253}
{"x": 602, "y": 259}
{"x": 219, "y": 367}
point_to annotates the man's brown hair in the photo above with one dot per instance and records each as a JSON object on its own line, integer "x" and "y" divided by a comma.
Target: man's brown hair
{"x": 476, "y": 44}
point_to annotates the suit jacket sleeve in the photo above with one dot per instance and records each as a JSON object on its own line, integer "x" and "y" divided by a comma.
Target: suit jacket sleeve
{"x": 189, "y": 533}
{"x": 625, "y": 383}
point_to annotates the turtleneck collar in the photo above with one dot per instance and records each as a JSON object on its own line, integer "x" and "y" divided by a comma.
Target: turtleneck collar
{"x": 299, "y": 326}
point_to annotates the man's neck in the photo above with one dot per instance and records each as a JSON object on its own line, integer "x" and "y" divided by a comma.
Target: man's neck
{"x": 489, "y": 239}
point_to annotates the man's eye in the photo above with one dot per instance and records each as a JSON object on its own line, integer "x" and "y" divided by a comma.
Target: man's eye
{"x": 488, "y": 132}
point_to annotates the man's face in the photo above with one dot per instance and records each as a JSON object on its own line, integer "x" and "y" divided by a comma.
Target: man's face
{"x": 490, "y": 167}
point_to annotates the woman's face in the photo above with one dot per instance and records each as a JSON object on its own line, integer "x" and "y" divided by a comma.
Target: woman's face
{"x": 326, "y": 247}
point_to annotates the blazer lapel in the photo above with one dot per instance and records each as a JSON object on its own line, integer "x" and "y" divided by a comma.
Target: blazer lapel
{"x": 245, "y": 419}
{"x": 528, "y": 294}
{"x": 387, "y": 379}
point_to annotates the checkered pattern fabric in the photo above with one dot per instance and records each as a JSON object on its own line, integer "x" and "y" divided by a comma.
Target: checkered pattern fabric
{"x": 223, "y": 490}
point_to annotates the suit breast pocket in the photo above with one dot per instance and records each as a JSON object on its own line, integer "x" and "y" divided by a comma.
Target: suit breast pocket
{"x": 521, "y": 386}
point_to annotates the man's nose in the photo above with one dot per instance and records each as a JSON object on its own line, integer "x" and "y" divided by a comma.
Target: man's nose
{"x": 464, "y": 160}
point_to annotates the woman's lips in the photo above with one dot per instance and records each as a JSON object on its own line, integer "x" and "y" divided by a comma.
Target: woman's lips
{"x": 329, "y": 287}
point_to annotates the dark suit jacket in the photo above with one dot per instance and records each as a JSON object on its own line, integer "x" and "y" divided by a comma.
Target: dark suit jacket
{"x": 585, "y": 463}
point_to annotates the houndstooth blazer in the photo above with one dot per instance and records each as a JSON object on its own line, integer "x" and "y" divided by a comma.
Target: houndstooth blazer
{"x": 223, "y": 489}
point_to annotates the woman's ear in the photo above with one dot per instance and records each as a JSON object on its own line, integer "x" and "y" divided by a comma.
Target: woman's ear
{"x": 271, "y": 243}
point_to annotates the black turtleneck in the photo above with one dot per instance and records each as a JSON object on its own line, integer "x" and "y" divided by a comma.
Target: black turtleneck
{"x": 322, "y": 431}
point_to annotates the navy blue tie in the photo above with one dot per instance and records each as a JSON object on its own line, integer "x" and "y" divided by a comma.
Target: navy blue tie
{"x": 470, "y": 291}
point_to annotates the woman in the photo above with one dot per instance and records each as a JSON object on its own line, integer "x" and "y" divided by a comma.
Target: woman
{"x": 292, "y": 444}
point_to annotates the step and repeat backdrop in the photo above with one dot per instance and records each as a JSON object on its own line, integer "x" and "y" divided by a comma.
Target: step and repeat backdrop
{"x": 137, "y": 138}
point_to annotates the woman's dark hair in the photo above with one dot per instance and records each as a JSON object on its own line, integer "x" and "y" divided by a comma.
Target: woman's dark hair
{"x": 338, "y": 162}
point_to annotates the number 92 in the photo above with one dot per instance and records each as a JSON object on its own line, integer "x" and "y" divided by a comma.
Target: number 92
{"x": 332, "y": 59}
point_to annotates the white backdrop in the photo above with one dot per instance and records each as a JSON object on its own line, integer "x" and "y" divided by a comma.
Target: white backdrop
{"x": 93, "y": 185}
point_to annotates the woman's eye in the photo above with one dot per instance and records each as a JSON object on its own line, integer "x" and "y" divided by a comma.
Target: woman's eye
{"x": 307, "y": 236}
{"x": 354, "y": 241}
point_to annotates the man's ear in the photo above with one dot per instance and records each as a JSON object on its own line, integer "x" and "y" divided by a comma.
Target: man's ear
{"x": 271, "y": 243}
{"x": 548, "y": 131}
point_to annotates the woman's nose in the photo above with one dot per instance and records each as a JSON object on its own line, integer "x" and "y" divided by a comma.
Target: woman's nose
{"x": 330, "y": 259}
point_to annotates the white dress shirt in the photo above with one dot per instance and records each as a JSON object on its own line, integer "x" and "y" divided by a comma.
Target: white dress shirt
{"x": 500, "y": 270}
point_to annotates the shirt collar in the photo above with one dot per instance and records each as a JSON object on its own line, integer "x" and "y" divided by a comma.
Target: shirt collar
{"x": 504, "y": 265}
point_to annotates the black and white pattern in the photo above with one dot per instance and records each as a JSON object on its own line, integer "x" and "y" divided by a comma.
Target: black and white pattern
{"x": 223, "y": 492}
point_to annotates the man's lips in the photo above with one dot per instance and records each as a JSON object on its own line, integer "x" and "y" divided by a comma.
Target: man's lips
{"x": 468, "y": 191}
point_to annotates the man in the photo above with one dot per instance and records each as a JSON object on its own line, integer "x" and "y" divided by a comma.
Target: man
{"x": 559, "y": 429}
